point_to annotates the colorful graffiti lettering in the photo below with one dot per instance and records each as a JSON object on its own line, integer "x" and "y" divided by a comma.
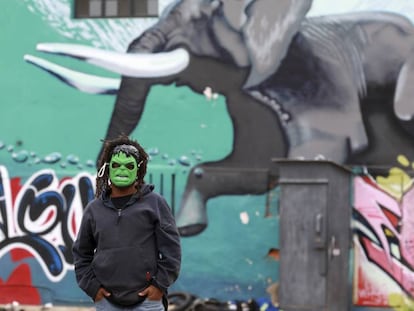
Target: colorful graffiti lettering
{"x": 385, "y": 239}
{"x": 42, "y": 216}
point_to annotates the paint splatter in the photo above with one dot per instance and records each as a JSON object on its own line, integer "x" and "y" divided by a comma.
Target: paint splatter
{"x": 244, "y": 218}
{"x": 274, "y": 254}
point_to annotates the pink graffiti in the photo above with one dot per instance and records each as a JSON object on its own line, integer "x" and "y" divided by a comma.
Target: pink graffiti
{"x": 407, "y": 227}
{"x": 391, "y": 222}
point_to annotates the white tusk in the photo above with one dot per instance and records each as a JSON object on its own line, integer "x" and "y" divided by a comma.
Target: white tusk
{"x": 81, "y": 81}
{"x": 148, "y": 65}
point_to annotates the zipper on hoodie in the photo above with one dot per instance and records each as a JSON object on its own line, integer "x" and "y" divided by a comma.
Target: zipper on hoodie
{"x": 119, "y": 215}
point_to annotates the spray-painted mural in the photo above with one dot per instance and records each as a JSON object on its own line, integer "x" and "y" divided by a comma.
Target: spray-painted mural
{"x": 214, "y": 90}
{"x": 383, "y": 238}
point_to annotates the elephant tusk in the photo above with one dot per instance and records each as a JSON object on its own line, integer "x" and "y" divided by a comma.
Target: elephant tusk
{"x": 81, "y": 81}
{"x": 133, "y": 65}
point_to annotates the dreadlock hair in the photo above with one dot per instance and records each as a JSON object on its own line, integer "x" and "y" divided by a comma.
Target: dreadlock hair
{"x": 102, "y": 178}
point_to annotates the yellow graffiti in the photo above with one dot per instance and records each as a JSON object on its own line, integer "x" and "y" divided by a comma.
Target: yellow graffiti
{"x": 403, "y": 160}
{"x": 401, "y": 302}
{"x": 264, "y": 307}
{"x": 398, "y": 181}
{"x": 388, "y": 232}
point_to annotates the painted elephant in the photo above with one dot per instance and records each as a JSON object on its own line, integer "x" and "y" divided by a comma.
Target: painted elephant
{"x": 295, "y": 87}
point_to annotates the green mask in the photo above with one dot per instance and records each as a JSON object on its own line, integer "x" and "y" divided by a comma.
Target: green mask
{"x": 123, "y": 170}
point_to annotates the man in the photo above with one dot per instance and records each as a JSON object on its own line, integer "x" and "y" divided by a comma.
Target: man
{"x": 127, "y": 252}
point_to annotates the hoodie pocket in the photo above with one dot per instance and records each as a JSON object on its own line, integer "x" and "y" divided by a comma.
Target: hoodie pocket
{"x": 126, "y": 298}
{"x": 124, "y": 268}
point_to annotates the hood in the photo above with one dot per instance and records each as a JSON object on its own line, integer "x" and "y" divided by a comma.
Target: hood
{"x": 145, "y": 189}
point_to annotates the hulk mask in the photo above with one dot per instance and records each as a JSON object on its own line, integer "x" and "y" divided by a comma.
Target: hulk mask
{"x": 122, "y": 170}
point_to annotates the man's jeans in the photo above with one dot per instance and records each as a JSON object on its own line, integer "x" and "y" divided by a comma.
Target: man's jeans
{"x": 146, "y": 305}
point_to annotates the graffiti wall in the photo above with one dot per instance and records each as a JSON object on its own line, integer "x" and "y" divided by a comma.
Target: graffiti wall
{"x": 383, "y": 238}
{"x": 213, "y": 90}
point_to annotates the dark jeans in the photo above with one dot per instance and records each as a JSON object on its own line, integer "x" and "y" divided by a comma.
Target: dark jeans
{"x": 146, "y": 305}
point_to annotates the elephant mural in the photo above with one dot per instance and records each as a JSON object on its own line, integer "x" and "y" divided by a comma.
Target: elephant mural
{"x": 295, "y": 86}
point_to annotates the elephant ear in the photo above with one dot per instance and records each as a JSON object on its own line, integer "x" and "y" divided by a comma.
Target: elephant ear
{"x": 234, "y": 10}
{"x": 268, "y": 31}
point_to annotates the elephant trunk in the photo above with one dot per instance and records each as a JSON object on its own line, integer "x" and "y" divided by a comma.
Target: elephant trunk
{"x": 133, "y": 92}
{"x": 151, "y": 41}
{"x": 156, "y": 39}
{"x": 128, "y": 109}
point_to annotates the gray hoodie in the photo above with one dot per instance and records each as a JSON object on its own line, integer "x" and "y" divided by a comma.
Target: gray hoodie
{"x": 126, "y": 250}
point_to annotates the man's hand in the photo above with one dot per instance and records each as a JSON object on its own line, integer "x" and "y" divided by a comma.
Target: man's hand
{"x": 102, "y": 292}
{"x": 152, "y": 293}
